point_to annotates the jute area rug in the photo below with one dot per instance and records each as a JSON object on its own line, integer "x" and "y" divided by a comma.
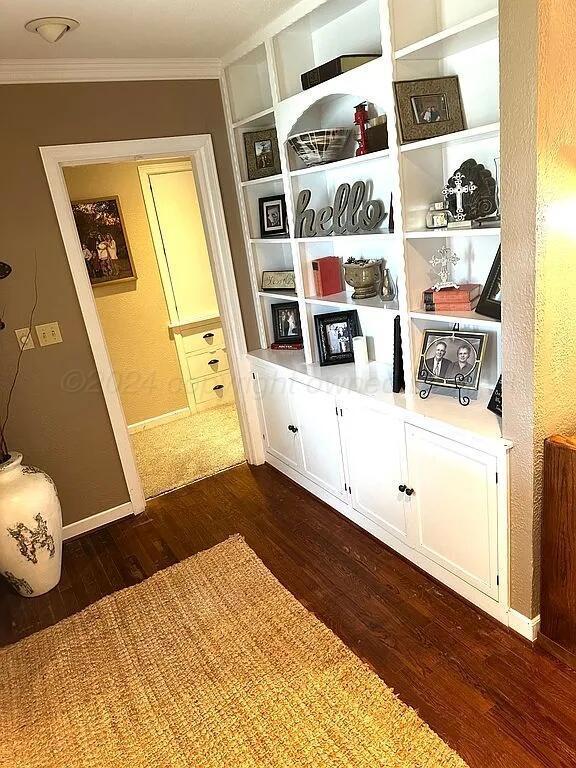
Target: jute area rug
{"x": 210, "y": 663}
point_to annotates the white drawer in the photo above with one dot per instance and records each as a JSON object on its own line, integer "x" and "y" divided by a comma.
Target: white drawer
{"x": 216, "y": 388}
{"x": 211, "y": 338}
{"x": 207, "y": 363}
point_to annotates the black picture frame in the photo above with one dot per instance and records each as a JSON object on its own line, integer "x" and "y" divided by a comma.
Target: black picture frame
{"x": 451, "y": 375}
{"x": 262, "y": 154}
{"x": 336, "y": 328}
{"x": 273, "y": 216}
{"x": 416, "y": 98}
{"x": 286, "y": 324}
{"x": 488, "y": 304}
{"x": 495, "y": 402}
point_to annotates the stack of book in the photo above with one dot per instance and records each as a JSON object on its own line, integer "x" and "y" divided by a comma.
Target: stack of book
{"x": 462, "y": 299}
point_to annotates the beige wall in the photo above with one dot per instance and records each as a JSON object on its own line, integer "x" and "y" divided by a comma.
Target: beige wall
{"x": 59, "y": 420}
{"x": 134, "y": 315}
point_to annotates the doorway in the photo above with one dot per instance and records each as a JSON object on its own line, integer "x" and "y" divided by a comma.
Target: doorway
{"x": 226, "y": 329}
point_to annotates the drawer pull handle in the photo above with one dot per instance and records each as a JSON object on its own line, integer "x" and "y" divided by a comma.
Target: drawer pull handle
{"x": 292, "y": 428}
{"x": 213, "y": 362}
{"x": 409, "y": 491}
{"x": 217, "y": 387}
{"x": 208, "y": 336}
{"x": 402, "y": 488}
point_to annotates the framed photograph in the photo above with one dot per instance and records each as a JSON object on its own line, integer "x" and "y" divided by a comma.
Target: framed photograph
{"x": 286, "y": 323}
{"x": 451, "y": 358}
{"x": 334, "y": 334}
{"x": 262, "y": 156}
{"x": 280, "y": 280}
{"x": 428, "y": 107}
{"x": 273, "y": 219}
{"x": 103, "y": 240}
{"x": 495, "y": 403}
{"x": 490, "y": 302}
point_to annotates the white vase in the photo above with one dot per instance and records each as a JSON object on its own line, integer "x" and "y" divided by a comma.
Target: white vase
{"x": 30, "y": 528}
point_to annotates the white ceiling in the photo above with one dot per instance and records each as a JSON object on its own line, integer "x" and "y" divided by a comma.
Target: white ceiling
{"x": 135, "y": 28}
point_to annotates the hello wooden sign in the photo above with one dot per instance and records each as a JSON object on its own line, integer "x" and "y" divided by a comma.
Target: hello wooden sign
{"x": 351, "y": 214}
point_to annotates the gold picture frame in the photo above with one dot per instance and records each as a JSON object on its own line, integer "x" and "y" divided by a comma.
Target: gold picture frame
{"x": 428, "y": 107}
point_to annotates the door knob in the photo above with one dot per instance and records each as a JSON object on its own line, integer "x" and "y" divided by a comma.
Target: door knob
{"x": 409, "y": 491}
{"x": 402, "y": 488}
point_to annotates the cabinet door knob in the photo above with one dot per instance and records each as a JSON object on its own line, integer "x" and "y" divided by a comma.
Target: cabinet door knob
{"x": 208, "y": 336}
{"x": 409, "y": 491}
{"x": 217, "y": 387}
{"x": 292, "y": 428}
{"x": 213, "y": 362}
{"x": 401, "y": 488}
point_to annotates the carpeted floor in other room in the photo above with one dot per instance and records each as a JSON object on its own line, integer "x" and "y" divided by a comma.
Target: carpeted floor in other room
{"x": 178, "y": 453}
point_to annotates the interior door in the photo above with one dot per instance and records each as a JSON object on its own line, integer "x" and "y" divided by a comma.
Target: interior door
{"x": 456, "y": 506}
{"x": 318, "y": 437}
{"x": 276, "y": 418}
{"x": 374, "y": 450}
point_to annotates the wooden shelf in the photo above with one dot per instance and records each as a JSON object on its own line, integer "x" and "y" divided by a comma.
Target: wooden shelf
{"x": 468, "y": 318}
{"x": 287, "y": 295}
{"x": 266, "y": 180}
{"x": 425, "y": 234}
{"x": 338, "y": 164}
{"x": 261, "y": 119}
{"x": 344, "y": 299}
{"x": 453, "y": 40}
{"x": 490, "y": 131}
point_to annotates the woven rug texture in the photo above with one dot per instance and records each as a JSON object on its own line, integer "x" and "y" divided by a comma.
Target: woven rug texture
{"x": 209, "y": 663}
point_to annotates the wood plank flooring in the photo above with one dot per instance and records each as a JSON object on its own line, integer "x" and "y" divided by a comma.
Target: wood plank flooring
{"x": 491, "y": 696}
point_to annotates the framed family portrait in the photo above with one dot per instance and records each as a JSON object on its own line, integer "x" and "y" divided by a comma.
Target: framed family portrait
{"x": 262, "y": 156}
{"x": 273, "y": 220}
{"x": 451, "y": 359}
{"x": 334, "y": 334}
{"x": 428, "y": 107}
{"x": 103, "y": 240}
{"x": 286, "y": 323}
{"x": 490, "y": 302}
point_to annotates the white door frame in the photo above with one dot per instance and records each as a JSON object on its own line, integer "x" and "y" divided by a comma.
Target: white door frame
{"x": 200, "y": 151}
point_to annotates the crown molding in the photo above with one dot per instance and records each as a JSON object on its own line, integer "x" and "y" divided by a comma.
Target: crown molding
{"x": 14, "y": 71}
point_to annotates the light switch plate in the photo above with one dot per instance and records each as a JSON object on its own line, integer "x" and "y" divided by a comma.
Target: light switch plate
{"x": 25, "y": 338}
{"x": 49, "y": 333}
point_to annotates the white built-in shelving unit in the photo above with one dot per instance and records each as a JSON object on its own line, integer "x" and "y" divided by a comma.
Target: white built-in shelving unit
{"x": 414, "y": 39}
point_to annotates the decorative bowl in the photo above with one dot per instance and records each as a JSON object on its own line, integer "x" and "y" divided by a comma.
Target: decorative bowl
{"x": 318, "y": 147}
{"x": 365, "y": 277}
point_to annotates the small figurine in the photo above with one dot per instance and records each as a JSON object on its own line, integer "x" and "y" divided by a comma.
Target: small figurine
{"x": 361, "y": 120}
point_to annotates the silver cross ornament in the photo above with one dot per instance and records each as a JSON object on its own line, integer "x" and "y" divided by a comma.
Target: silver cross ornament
{"x": 443, "y": 261}
{"x": 459, "y": 189}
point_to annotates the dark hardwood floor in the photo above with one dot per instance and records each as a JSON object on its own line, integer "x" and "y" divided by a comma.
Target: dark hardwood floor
{"x": 492, "y": 697}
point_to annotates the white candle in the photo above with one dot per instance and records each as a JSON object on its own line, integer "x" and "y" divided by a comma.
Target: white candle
{"x": 360, "y": 348}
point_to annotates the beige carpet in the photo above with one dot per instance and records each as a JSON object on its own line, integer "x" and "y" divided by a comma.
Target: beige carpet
{"x": 210, "y": 663}
{"x": 180, "y": 452}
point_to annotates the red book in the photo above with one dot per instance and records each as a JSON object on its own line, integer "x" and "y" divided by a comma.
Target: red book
{"x": 327, "y": 273}
{"x": 465, "y": 292}
{"x": 469, "y": 307}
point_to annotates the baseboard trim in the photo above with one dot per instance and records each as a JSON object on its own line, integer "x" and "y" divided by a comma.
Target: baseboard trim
{"x": 524, "y": 626}
{"x": 97, "y": 521}
{"x": 155, "y": 421}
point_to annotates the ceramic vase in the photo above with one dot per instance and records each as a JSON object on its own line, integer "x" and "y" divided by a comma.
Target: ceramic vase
{"x": 30, "y": 528}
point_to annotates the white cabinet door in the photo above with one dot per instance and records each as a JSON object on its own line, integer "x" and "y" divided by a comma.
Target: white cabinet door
{"x": 318, "y": 437}
{"x": 374, "y": 446}
{"x": 276, "y": 415}
{"x": 456, "y": 506}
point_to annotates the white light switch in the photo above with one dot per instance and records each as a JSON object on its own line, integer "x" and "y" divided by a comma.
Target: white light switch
{"x": 25, "y": 338}
{"x": 49, "y": 333}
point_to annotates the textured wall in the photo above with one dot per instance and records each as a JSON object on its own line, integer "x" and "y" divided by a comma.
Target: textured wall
{"x": 518, "y": 94}
{"x": 134, "y": 315}
{"x": 59, "y": 424}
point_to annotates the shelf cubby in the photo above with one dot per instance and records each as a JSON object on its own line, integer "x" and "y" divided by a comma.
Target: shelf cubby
{"x": 249, "y": 89}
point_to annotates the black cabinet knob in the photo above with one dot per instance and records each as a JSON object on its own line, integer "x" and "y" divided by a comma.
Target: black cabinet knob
{"x": 292, "y": 428}
{"x": 401, "y": 488}
{"x": 208, "y": 336}
{"x": 409, "y": 491}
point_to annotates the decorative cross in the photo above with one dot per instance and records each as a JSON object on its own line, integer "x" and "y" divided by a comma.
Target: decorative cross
{"x": 444, "y": 259}
{"x": 459, "y": 189}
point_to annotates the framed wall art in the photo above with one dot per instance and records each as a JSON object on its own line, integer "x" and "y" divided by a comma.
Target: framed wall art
{"x": 428, "y": 107}
{"x": 490, "y": 303}
{"x": 334, "y": 334}
{"x": 278, "y": 280}
{"x": 103, "y": 240}
{"x": 273, "y": 218}
{"x": 286, "y": 323}
{"x": 262, "y": 156}
{"x": 451, "y": 359}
